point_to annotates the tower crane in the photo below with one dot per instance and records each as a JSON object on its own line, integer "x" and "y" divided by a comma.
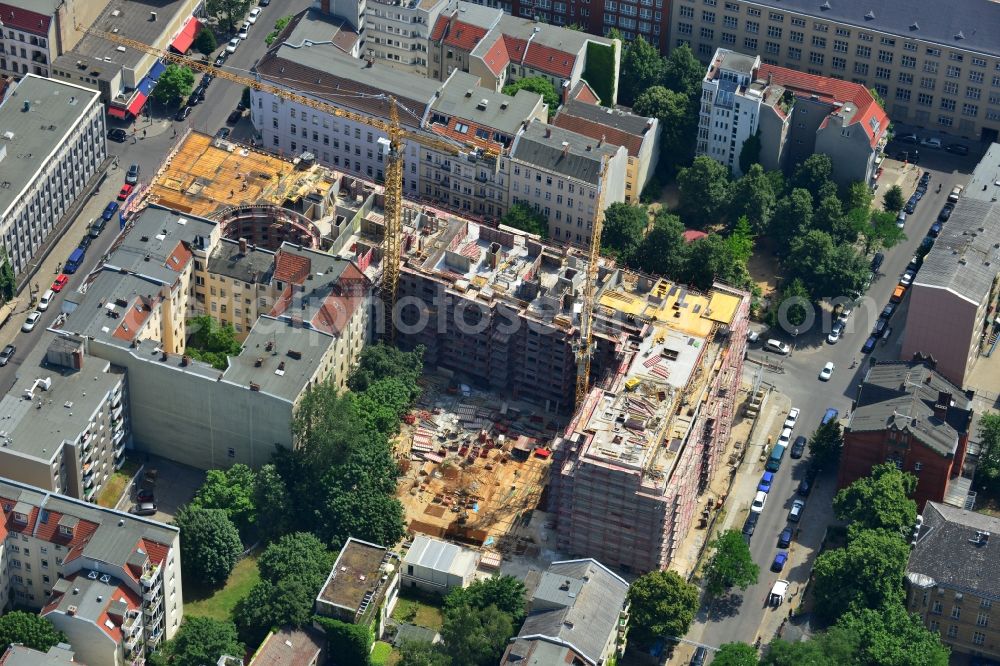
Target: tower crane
{"x": 394, "y": 160}
{"x": 585, "y": 345}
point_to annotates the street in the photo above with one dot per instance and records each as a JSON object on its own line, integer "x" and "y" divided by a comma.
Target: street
{"x": 744, "y": 616}
{"x": 154, "y": 138}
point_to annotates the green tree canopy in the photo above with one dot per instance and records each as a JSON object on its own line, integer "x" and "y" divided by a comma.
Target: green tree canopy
{"x": 826, "y": 269}
{"x": 836, "y": 647}
{"x": 663, "y": 251}
{"x": 210, "y": 341}
{"x": 175, "y": 83}
{"x": 893, "y": 200}
{"x": 740, "y": 240}
{"x": 351, "y": 643}
{"x": 890, "y": 636}
{"x": 30, "y": 630}
{"x": 711, "y": 258}
{"x": 731, "y": 564}
{"x": 880, "y": 501}
{"x": 521, "y": 216}
{"x": 231, "y": 490}
{"x": 205, "y": 41}
{"x": 736, "y": 654}
{"x": 797, "y": 310}
{"x": 229, "y": 10}
{"x": 297, "y": 554}
{"x": 271, "y": 502}
{"x": 210, "y": 545}
{"x": 750, "y": 152}
{"x": 814, "y": 176}
{"x": 878, "y": 229}
{"x": 678, "y": 122}
{"x": 753, "y": 196}
{"x": 8, "y": 285}
{"x": 662, "y": 604}
{"x": 683, "y": 73}
{"x": 792, "y": 213}
{"x": 505, "y": 592}
{"x": 858, "y": 195}
{"x": 624, "y": 229}
{"x": 988, "y": 469}
{"x": 704, "y": 191}
{"x": 476, "y": 636}
{"x": 866, "y": 573}
{"x": 642, "y": 67}
{"x": 421, "y": 653}
{"x": 200, "y": 641}
{"x": 536, "y": 84}
{"x": 267, "y": 606}
{"x": 826, "y": 444}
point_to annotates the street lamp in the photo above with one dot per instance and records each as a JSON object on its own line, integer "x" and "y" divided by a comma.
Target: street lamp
{"x": 795, "y": 335}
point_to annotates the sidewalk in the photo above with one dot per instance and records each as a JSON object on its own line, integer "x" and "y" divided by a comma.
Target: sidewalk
{"x": 894, "y": 172}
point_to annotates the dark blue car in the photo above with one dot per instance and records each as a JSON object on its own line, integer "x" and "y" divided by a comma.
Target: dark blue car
{"x": 785, "y": 538}
{"x": 765, "y": 482}
{"x": 935, "y": 230}
{"x": 869, "y": 345}
{"x": 109, "y": 211}
{"x": 779, "y": 561}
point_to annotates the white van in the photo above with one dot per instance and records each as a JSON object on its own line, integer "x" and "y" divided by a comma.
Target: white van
{"x": 46, "y": 300}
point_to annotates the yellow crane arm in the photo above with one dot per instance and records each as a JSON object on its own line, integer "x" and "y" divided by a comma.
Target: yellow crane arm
{"x": 584, "y": 352}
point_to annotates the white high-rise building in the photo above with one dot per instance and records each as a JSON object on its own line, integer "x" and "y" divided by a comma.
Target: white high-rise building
{"x": 730, "y": 107}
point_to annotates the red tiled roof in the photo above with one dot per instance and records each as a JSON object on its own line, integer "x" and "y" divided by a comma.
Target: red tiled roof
{"x": 469, "y": 136}
{"x": 179, "y": 258}
{"x": 134, "y": 318}
{"x": 515, "y": 47}
{"x": 691, "y": 235}
{"x": 439, "y": 28}
{"x": 496, "y": 57}
{"x": 465, "y": 36}
{"x": 25, "y": 20}
{"x": 584, "y": 93}
{"x": 594, "y": 130}
{"x": 156, "y": 551}
{"x": 290, "y": 267}
{"x": 282, "y": 302}
{"x": 832, "y": 90}
{"x": 540, "y": 57}
{"x": 335, "y": 313}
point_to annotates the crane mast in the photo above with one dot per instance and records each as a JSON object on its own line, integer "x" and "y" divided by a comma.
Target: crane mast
{"x": 584, "y": 347}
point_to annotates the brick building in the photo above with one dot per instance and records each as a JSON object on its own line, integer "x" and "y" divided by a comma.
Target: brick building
{"x": 907, "y": 413}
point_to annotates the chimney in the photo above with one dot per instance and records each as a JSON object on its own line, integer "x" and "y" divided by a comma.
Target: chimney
{"x": 548, "y": 132}
{"x": 565, "y": 148}
{"x": 601, "y": 141}
{"x": 243, "y": 246}
{"x": 942, "y": 404}
{"x": 152, "y": 16}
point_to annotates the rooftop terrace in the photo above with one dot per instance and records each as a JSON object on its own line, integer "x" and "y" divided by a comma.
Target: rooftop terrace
{"x": 355, "y": 575}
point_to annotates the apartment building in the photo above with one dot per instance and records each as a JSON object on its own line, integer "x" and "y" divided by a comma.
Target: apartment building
{"x": 954, "y": 297}
{"x": 500, "y": 49}
{"x": 66, "y": 420}
{"x": 631, "y": 466}
{"x": 109, "y": 580}
{"x": 908, "y": 414}
{"x": 398, "y": 31}
{"x": 947, "y": 579}
{"x": 619, "y": 127}
{"x": 794, "y": 115}
{"x": 125, "y": 77}
{"x": 51, "y": 145}
{"x": 19, "y": 655}
{"x": 936, "y": 65}
{"x": 290, "y": 647}
{"x": 558, "y": 173}
{"x": 362, "y": 587}
{"x": 475, "y": 182}
{"x": 578, "y": 614}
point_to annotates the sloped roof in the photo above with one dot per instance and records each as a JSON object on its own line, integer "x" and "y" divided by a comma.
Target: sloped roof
{"x": 541, "y": 145}
{"x": 24, "y": 20}
{"x": 616, "y": 126}
{"x": 948, "y": 552}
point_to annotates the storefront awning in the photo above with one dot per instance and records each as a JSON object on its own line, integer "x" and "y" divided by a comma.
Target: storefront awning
{"x": 157, "y": 69}
{"x": 137, "y": 103}
{"x": 146, "y": 86}
{"x": 115, "y": 112}
{"x": 183, "y": 41}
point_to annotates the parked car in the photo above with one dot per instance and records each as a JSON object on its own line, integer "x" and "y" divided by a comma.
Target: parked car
{"x": 117, "y": 134}
{"x": 31, "y": 321}
{"x": 879, "y": 327}
{"x": 765, "y": 482}
{"x": 109, "y": 211}
{"x": 785, "y": 538}
{"x": 907, "y": 278}
{"x": 795, "y": 513}
{"x": 925, "y": 177}
{"x": 223, "y": 133}
{"x": 46, "y": 300}
{"x": 234, "y": 117}
{"x": 254, "y": 15}
{"x": 911, "y": 205}
{"x": 759, "y": 500}
{"x": 888, "y": 311}
{"x": 908, "y": 138}
{"x": 831, "y": 414}
{"x": 826, "y": 372}
{"x": 233, "y": 43}
{"x": 244, "y": 31}
{"x": 805, "y": 487}
{"x": 869, "y": 345}
{"x": 220, "y": 60}
{"x": 897, "y": 294}
{"x": 798, "y": 447}
{"x": 779, "y": 561}
{"x": 750, "y": 525}
{"x": 144, "y": 495}
{"x": 946, "y": 212}
{"x": 933, "y": 142}
{"x": 957, "y": 148}
{"x": 935, "y": 230}
{"x": 955, "y": 193}
{"x": 792, "y": 418}
{"x": 915, "y": 262}
{"x": 124, "y": 193}
{"x": 776, "y": 346}
{"x": 264, "y": 3}
{"x": 835, "y": 333}
{"x": 61, "y": 280}
{"x": 785, "y": 436}
{"x": 901, "y": 219}
{"x": 182, "y": 113}
{"x": 877, "y": 261}
{"x": 699, "y": 657}
{"x": 95, "y": 230}
{"x": 7, "y": 354}
{"x": 132, "y": 177}
{"x": 144, "y": 509}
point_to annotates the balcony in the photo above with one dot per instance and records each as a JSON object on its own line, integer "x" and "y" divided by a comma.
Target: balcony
{"x": 151, "y": 576}
{"x": 153, "y": 609}
{"x": 155, "y": 636}
{"x": 133, "y": 623}
{"x": 39, "y": 57}
{"x": 152, "y": 595}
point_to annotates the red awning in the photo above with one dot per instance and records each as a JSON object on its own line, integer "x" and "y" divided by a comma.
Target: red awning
{"x": 137, "y": 103}
{"x": 115, "y": 112}
{"x": 183, "y": 41}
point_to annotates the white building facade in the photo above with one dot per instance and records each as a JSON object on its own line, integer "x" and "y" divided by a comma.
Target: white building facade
{"x": 398, "y": 31}
{"x": 730, "y": 109}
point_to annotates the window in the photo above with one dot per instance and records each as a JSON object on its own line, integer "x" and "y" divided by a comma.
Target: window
{"x": 978, "y": 62}
{"x": 936, "y": 608}
{"x": 730, "y": 22}
{"x": 957, "y": 57}
{"x": 985, "y": 603}
{"x": 728, "y": 38}
{"x": 707, "y": 33}
{"x": 843, "y": 32}
{"x": 732, "y": 7}
{"x": 934, "y": 53}
{"x": 947, "y": 104}
{"x": 796, "y": 37}
{"x": 956, "y": 612}
{"x": 973, "y": 93}
{"x": 976, "y": 76}
{"x": 707, "y": 17}
{"x": 861, "y": 68}
{"x": 883, "y": 73}
{"x": 776, "y": 17}
{"x": 908, "y": 61}
{"x": 816, "y": 58}
{"x": 820, "y": 27}
{"x": 927, "y": 83}
{"x": 995, "y": 82}
{"x": 923, "y": 99}
{"x": 983, "y": 619}
{"x": 751, "y": 11}
{"x": 819, "y": 42}
{"x": 933, "y": 625}
{"x": 952, "y": 631}
{"x": 887, "y": 41}
{"x": 902, "y": 94}
{"x": 799, "y": 23}
{"x": 753, "y": 27}
{"x": 930, "y": 67}
{"x": 682, "y": 28}
{"x": 794, "y": 53}
{"x": 750, "y": 43}
{"x": 970, "y": 110}
{"x": 978, "y": 638}
{"x": 840, "y": 46}
{"x": 884, "y": 56}
{"x": 772, "y": 47}
{"x": 945, "y": 121}
{"x": 774, "y": 31}
{"x": 863, "y": 51}
{"x": 953, "y": 72}
{"x": 838, "y": 63}
{"x": 905, "y": 79}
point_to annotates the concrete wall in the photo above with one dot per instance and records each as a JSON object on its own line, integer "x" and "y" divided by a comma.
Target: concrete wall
{"x": 773, "y": 129}
{"x": 942, "y": 324}
{"x": 850, "y": 150}
{"x": 804, "y": 120}
{"x": 91, "y": 645}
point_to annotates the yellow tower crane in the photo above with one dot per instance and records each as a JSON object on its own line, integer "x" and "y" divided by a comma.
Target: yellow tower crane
{"x": 585, "y": 345}
{"x": 394, "y": 163}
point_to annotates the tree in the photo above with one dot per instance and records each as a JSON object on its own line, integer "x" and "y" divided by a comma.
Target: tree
{"x": 210, "y": 341}
{"x": 30, "y": 630}
{"x": 205, "y": 41}
{"x": 704, "y": 191}
{"x": 878, "y": 97}
{"x": 858, "y": 195}
{"x": 201, "y": 640}
{"x": 877, "y": 229}
{"x": 866, "y": 573}
{"x": 678, "y": 121}
{"x": 476, "y": 636}
{"x": 624, "y": 230}
{"x": 891, "y": 636}
{"x": 711, "y": 258}
{"x": 663, "y": 251}
{"x": 893, "y": 200}
{"x": 828, "y": 217}
{"x": 683, "y": 73}
{"x": 880, "y": 501}
{"x": 834, "y": 647}
{"x": 382, "y": 361}
{"x": 270, "y": 499}
{"x": 351, "y": 643}
{"x": 422, "y": 653}
{"x": 365, "y": 514}
{"x": 731, "y": 564}
{"x": 232, "y": 491}
{"x": 536, "y": 84}
{"x": 8, "y": 284}
{"x": 175, "y": 83}
{"x": 988, "y": 469}
{"x": 505, "y": 592}
{"x": 521, "y": 216}
{"x": 230, "y": 9}
{"x": 642, "y": 67}
{"x": 826, "y": 269}
{"x": 279, "y": 25}
{"x": 298, "y": 554}
{"x": 288, "y": 602}
{"x": 826, "y": 444}
{"x": 813, "y": 175}
{"x": 210, "y": 545}
{"x": 750, "y": 152}
{"x": 740, "y": 240}
{"x": 797, "y": 310}
{"x": 753, "y": 196}
{"x": 663, "y": 604}
{"x": 792, "y": 213}
{"x": 736, "y": 654}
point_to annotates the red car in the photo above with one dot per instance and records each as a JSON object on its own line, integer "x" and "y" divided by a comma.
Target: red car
{"x": 60, "y": 282}
{"x": 126, "y": 190}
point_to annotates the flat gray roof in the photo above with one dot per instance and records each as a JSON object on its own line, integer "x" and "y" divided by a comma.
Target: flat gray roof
{"x": 93, "y": 314}
{"x": 964, "y": 259}
{"x": 19, "y": 655}
{"x": 31, "y": 137}
{"x": 38, "y": 427}
{"x": 541, "y": 145}
{"x": 736, "y": 62}
{"x": 148, "y": 250}
{"x": 255, "y": 265}
{"x": 455, "y": 100}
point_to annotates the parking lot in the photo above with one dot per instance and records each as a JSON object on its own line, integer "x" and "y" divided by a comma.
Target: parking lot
{"x": 173, "y": 486}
